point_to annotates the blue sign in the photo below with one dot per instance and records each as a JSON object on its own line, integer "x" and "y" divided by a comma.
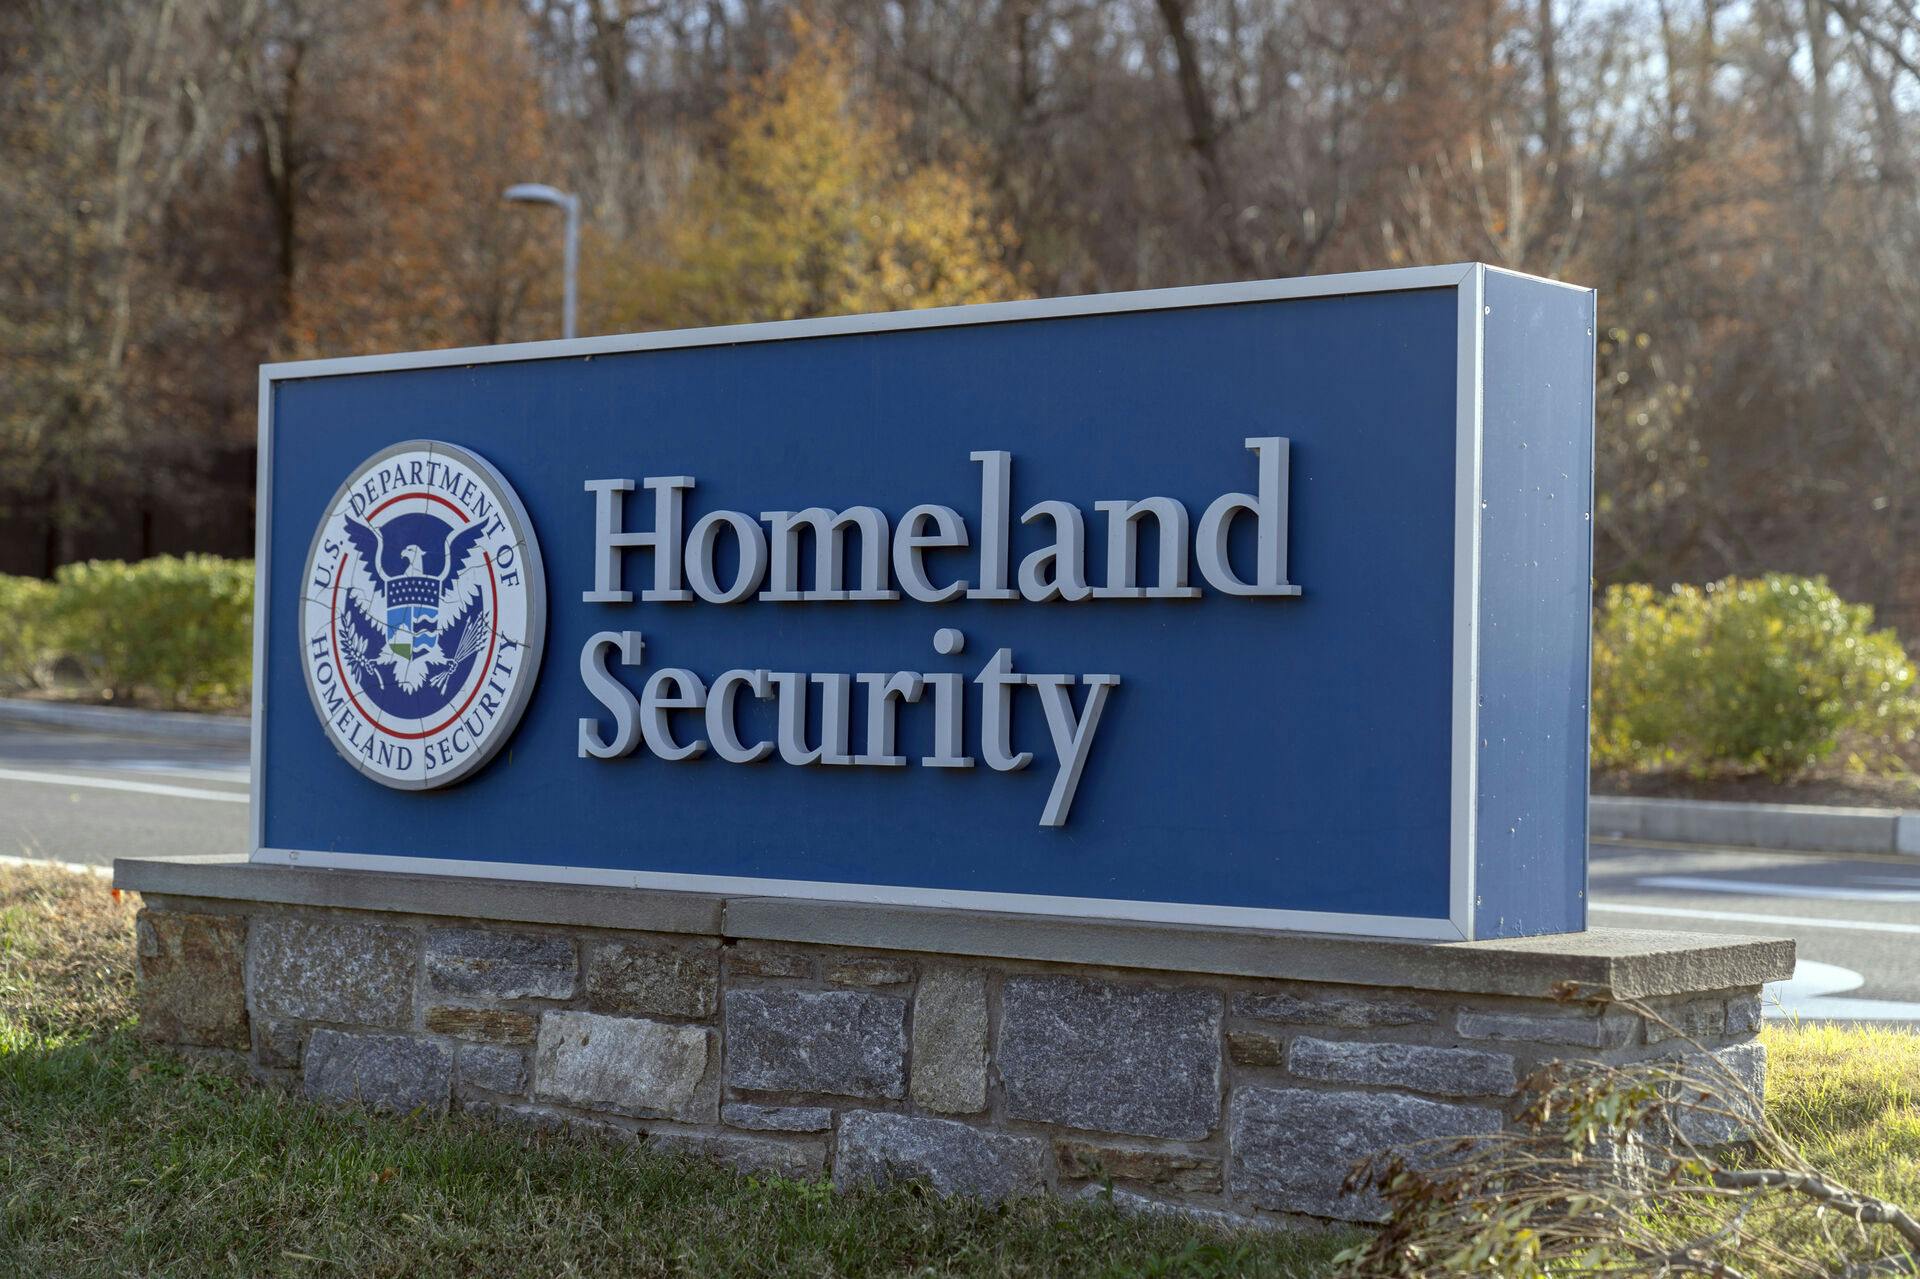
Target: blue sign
{"x": 1257, "y": 604}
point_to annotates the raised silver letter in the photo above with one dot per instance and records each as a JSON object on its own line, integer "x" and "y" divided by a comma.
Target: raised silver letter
{"x": 909, "y": 541}
{"x": 1269, "y": 511}
{"x": 996, "y": 489}
{"x": 609, "y": 540}
{"x": 1123, "y": 550}
{"x": 1071, "y": 739}
{"x": 753, "y": 557}
{"x": 686, "y": 694}
{"x": 996, "y": 713}
{"x": 611, "y": 693}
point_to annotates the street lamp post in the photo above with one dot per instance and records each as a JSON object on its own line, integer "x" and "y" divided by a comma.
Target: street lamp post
{"x": 540, "y": 193}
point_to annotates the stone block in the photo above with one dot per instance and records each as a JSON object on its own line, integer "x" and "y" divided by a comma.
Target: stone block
{"x": 193, "y": 986}
{"x": 760, "y": 1156}
{"x": 1726, "y": 1105}
{"x": 627, "y": 1065}
{"x": 1292, "y": 1147}
{"x": 653, "y": 978}
{"x": 391, "y": 1072}
{"x": 487, "y": 1025}
{"x": 493, "y": 1067}
{"x": 1141, "y": 1060}
{"x": 758, "y": 961}
{"x": 1349, "y": 1012}
{"x": 744, "y": 1114}
{"x": 329, "y": 970}
{"x": 1575, "y": 1026}
{"x": 488, "y": 964}
{"x": 1256, "y": 1048}
{"x": 1172, "y": 1168}
{"x": 1447, "y": 1072}
{"x": 1129, "y": 1203}
{"x": 953, "y": 1158}
{"x": 870, "y": 970}
{"x": 1697, "y": 1019}
{"x": 277, "y": 1043}
{"x": 950, "y": 1041}
{"x": 1743, "y": 1014}
{"x": 848, "y": 1043}
{"x": 544, "y": 1120}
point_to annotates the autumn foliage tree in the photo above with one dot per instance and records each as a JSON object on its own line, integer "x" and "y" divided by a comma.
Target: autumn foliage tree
{"x": 810, "y": 206}
{"x": 419, "y": 249}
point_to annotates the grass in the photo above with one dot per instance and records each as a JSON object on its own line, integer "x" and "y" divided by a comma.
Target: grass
{"x": 1849, "y": 1098}
{"x": 117, "y": 1159}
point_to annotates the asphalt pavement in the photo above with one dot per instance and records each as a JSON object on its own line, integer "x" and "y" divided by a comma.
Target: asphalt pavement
{"x": 1856, "y": 918}
{"x": 88, "y": 797}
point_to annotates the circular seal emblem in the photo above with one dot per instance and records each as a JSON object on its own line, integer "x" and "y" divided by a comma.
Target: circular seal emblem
{"x": 424, "y": 608}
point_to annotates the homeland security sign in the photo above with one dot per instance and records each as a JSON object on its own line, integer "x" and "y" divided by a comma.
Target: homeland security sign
{"x": 1260, "y": 604}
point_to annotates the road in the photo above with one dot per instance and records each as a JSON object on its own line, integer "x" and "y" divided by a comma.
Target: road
{"x": 88, "y": 797}
{"x": 1856, "y": 918}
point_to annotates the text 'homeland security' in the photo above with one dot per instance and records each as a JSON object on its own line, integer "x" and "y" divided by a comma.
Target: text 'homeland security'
{"x": 766, "y": 566}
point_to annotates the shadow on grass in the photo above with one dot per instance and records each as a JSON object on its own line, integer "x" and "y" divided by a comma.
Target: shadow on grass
{"x": 117, "y": 1159}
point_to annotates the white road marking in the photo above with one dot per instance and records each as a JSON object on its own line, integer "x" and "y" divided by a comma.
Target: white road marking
{"x": 111, "y": 783}
{"x": 77, "y": 868}
{"x": 1752, "y": 917}
{"x": 158, "y": 767}
{"x": 1768, "y": 888}
{"x": 1810, "y": 993}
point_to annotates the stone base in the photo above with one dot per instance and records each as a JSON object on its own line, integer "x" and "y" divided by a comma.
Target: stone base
{"x": 1231, "y": 1074}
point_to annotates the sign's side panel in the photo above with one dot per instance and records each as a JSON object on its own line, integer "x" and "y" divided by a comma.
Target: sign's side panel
{"x": 1278, "y": 754}
{"x": 1536, "y": 570}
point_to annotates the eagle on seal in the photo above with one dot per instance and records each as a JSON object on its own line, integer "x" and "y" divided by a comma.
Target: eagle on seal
{"x": 413, "y": 645}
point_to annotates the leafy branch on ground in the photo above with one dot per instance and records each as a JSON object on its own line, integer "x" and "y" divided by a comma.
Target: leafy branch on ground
{"x": 1667, "y": 1167}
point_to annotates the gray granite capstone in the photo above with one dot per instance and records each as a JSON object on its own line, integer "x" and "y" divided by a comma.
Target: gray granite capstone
{"x": 1293, "y": 1147}
{"x": 848, "y": 1043}
{"x": 392, "y": 1072}
{"x": 1133, "y": 1059}
{"x": 953, "y": 1158}
{"x": 326, "y": 970}
{"x": 487, "y": 963}
{"x": 627, "y": 1065}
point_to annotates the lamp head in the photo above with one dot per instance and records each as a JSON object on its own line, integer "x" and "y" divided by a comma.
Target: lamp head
{"x": 537, "y": 193}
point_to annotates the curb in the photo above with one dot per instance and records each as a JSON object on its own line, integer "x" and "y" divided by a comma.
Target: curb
{"x": 1800, "y": 827}
{"x": 169, "y": 726}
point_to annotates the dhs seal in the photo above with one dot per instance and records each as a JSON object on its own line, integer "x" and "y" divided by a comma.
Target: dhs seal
{"x": 425, "y": 607}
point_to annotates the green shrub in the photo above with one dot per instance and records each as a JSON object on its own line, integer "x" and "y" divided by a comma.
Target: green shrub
{"x": 177, "y": 628}
{"x": 26, "y": 631}
{"x": 1768, "y": 674}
